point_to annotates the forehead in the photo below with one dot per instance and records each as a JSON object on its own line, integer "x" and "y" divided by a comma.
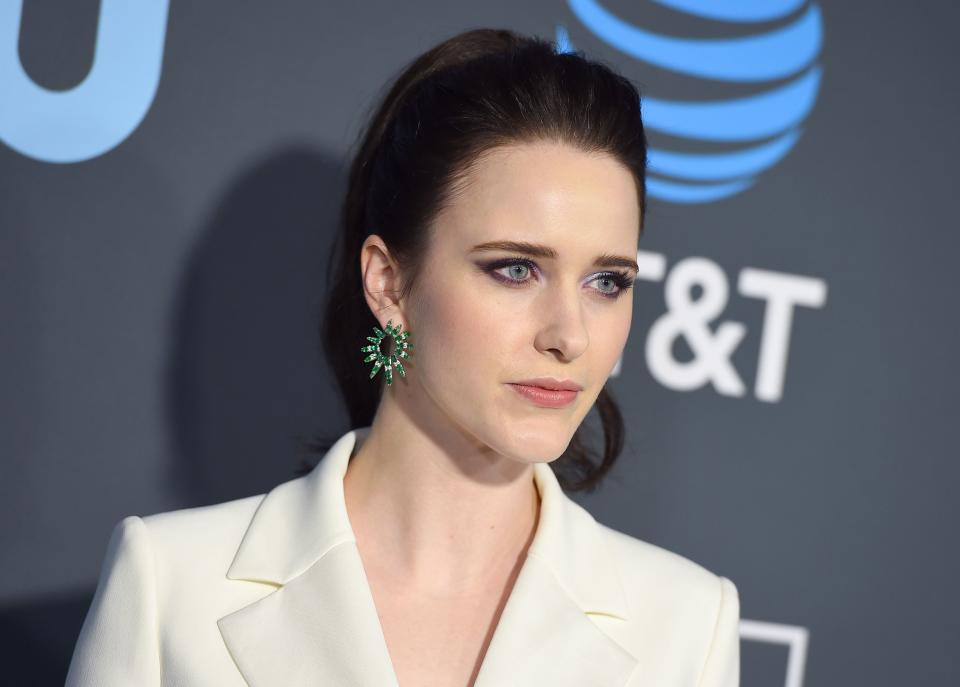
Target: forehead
{"x": 546, "y": 192}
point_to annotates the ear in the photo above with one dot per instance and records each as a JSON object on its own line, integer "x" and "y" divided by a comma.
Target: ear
{"x": 381, "y": 280}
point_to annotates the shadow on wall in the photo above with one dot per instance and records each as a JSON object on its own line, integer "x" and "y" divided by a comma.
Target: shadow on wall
{"x": 246, "y": 377}
{"x": 38, "y": 638}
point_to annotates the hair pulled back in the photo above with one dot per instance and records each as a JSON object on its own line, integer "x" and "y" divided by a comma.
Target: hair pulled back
{"x": 477, "y": 90}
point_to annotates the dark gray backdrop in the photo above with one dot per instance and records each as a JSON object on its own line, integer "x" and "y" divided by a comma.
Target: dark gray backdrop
{"x": 158, "y": 313}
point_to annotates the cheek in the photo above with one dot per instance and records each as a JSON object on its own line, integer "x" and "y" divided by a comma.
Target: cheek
{"x": 469, "y": 331}
{"x": 620, "y": 330}
{"x": 608, "y": 337}
{"x": 464, "y": 333}
{"x": 614, "y": 340}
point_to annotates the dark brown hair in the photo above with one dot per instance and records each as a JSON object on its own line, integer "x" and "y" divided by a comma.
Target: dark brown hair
{"x": 477, "y": 90}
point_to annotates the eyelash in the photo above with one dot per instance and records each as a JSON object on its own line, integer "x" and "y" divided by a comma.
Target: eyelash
{"x": 622, "y": 280}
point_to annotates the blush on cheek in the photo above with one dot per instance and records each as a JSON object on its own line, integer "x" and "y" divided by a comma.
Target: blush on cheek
{"x": 462, "y": 311}
{"x": 446, "y": 327}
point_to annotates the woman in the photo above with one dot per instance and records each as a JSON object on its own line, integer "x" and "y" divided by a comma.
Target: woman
{"x": 480, "y": 301}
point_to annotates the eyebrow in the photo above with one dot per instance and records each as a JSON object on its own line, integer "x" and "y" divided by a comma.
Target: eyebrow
{"x": 540, "y": 251}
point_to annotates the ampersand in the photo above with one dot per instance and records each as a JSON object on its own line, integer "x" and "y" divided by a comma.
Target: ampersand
{"x": 690, "y": 318}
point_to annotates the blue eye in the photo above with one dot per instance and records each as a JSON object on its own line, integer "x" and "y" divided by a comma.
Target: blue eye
{"x": 516, "y": 267}
{"x": 519, "y": 267}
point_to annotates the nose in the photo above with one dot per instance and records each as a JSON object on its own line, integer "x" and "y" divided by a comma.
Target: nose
{"x": 563, "y": 329}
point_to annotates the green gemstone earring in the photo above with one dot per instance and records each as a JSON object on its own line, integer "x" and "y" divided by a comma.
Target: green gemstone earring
{"x": 388, "y": 362}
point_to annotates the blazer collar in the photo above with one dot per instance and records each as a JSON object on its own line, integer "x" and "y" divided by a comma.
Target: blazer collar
{"x": 300, "y": 540}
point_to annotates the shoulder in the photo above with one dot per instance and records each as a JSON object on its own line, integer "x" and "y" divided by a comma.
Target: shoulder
{"x": 188, "y": 541}
{"x": 162, "y": 582}
{"x": 669, "y": 584}
{"x": 214, "y": 521}
{"x": 656, "y": 563}
{"x": 684, "y": 618}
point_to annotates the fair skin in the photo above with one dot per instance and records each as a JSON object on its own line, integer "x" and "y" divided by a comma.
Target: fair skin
{"x": 441, "y": 494}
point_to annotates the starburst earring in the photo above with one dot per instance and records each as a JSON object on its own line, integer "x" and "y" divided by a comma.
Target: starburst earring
{"x": 388, "y": 362}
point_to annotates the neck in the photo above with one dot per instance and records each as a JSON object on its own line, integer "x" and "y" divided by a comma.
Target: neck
{"x": 435, "y": 512}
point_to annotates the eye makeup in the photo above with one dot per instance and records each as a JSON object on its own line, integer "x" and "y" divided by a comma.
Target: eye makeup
{"x": 621, "y": 279}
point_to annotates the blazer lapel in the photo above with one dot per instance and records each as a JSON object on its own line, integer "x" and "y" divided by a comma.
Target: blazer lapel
{"x": 545, "y": 634}
{"x": 321, "y": 628}
{"x": 543, "y": 638}
{"x": 320, "y": 625}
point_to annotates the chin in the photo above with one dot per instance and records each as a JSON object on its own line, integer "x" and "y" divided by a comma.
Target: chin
{"x": 538, "y": 442}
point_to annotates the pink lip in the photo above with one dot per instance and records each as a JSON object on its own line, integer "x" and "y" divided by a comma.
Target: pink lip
{"x": 546, "y": 398}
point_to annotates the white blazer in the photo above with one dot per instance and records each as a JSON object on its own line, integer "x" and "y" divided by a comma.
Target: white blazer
{"x": 269, "y": 591}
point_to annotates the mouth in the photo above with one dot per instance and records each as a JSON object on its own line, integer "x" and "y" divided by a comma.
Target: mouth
{"x": 547, "y": 392}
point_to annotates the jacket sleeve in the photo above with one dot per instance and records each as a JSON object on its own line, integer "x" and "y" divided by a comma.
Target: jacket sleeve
{"x": 119, "y": 639}
{"x": 722, "y": 666}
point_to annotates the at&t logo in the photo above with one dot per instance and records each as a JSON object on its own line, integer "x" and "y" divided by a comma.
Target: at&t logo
{"x": 755, "y": 131}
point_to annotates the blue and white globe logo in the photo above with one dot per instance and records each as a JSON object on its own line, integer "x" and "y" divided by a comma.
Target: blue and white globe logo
{"x": 755, "y": 131}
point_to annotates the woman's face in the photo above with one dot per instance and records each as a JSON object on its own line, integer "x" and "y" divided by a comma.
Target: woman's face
{"x": 485, "y": 318}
